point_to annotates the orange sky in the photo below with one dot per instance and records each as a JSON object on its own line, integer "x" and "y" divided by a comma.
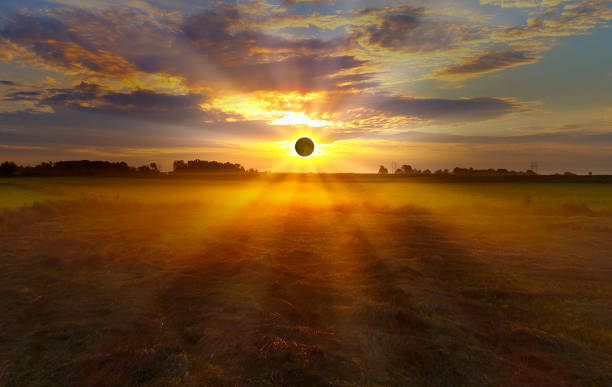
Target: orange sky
{"x": 434, "y": 84}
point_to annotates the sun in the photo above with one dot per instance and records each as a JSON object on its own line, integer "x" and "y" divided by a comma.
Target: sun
{"x": 304, "y": 146}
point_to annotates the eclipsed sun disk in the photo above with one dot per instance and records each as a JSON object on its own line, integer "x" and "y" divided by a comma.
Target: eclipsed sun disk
{"x": 304, "y": 146}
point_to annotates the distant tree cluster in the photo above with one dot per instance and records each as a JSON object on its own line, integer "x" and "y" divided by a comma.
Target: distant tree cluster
{"x": 108, "y": 168}
{"x": 404, "y": 170}
{"x": 409, "y": 170}
{"x": 490, "y": 171}
{"x": 77, "y": 168}
{"x": 180, "y": 166}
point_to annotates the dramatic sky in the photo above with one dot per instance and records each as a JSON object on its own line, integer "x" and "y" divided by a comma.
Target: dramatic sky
{"x": 435, "y": 83}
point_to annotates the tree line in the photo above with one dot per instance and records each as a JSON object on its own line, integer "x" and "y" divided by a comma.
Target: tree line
{"x": 409, "y": 170}
{"x": 109, "y": 168}
{"x": 180, "y": 166}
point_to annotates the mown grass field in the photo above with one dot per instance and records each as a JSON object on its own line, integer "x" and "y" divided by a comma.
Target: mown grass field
{"x": 304, "y": 280}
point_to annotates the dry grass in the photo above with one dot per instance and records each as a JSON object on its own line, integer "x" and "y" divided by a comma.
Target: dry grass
{"x": 290, "y": 282}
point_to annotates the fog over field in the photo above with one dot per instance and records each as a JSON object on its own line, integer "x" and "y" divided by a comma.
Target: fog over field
{"x": 304, "y": 280}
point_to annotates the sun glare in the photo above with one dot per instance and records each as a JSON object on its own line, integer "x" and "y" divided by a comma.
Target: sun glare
{"x": 275, "y": 108}
{"x": 292, "y": 118}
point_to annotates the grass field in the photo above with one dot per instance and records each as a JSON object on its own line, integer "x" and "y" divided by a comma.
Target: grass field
{"x": 304, "y": 280}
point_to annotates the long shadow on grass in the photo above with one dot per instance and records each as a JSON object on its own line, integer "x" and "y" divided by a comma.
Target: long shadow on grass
{"x": 196, "y": 322}
{"x": 421, "y": 314}
{"x": 402, "y": 324}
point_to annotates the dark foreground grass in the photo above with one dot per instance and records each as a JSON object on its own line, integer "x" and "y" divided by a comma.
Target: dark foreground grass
{"x": 298, "y": 284}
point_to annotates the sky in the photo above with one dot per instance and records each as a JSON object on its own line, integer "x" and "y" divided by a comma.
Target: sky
{"x": 434, "y": 84}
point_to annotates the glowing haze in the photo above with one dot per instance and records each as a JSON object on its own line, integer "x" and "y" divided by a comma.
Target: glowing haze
{"x": 435, "y": 84}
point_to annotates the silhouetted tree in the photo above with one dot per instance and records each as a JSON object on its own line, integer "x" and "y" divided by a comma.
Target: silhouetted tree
{"x": 150, "y": 169}
{"x": 406, "y": 169}
{"x": 8, "y": 168}
{"x": 77, "y": 168}
{"x": 206, "y": 166}
{"x": 490, "y": 171}
{"x": 178, "y": 165}
{"x": 382, "y": 170}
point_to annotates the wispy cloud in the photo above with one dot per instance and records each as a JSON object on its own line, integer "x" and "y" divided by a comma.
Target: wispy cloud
{"x": 488, "y": 62}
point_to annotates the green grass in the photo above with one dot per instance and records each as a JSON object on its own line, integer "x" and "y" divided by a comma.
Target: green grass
{"x": 299, "y": 281}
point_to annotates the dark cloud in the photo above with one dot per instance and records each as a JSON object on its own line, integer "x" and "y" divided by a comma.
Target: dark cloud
{"x": 574, "y": 137}
{"x": 96, "y": 127}
{"x": 30, "y": 30}
{"x": 83, "y": 92}
{"x": 252, "y": 60}
{"x": 17, "y": 96}
{"x": 491, "y": 61}
{"x": 408, "y": 29}
{"x": 7, "y": 83}
{"x": 394, "y": 30}
{"x": 219, "y": 47}
{"x": 145, "y": 99}
{"x": 57, "y": 43}
{"x": 460, "y": 110}
{"x": 152, "y": 106}
{"x": 364, "y": 106}
{"x": 139, "y": 104}
{"x": 210, "y": 33}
